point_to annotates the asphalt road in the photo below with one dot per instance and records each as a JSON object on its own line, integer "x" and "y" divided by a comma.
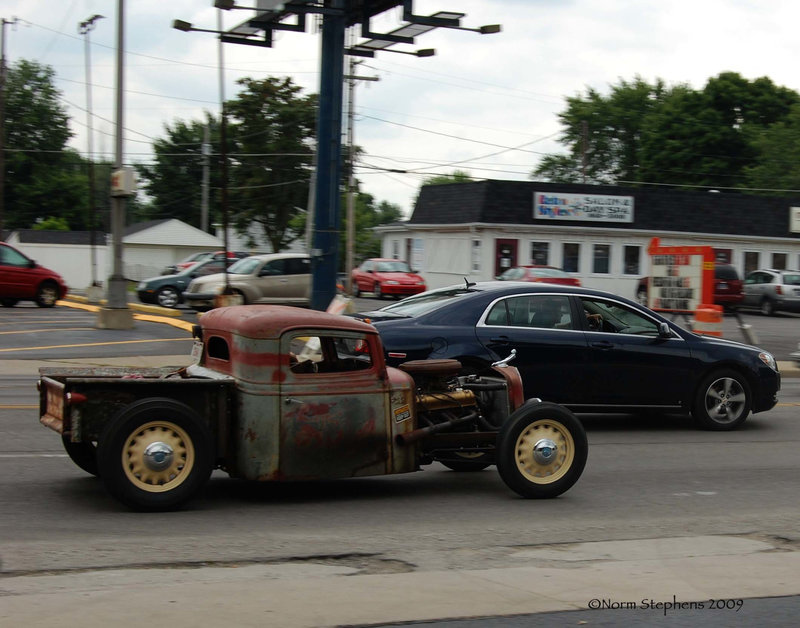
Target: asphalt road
{"x": 648, "y": 478}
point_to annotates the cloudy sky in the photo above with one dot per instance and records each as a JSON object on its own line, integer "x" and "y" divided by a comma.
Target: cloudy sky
{"x": 486, "y": 104}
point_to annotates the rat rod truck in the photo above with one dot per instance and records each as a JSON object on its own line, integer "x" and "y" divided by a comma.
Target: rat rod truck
{"x": 279, "y": 393}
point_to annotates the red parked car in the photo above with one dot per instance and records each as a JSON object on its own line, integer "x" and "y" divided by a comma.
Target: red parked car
{"x": 546, "y": 274}
{"x": 386, "y": 276}
{"x": 727, "y": 287}
{"x": 22, "y": 279}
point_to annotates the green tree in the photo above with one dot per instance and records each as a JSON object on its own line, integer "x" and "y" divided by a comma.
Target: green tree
{"x": 51, "y": 223}
{"x": 42, "y": 177}
{"x": 457, "y": 176}
{"x": 777, "y": 165}
{"x": 677, "y": 135}
{"x": 174, "y": 180}
{"x": 272, "y": 126}
{"x": 706, "y": 137}
{"x": 368, "y": 214}
{"x": 603, "y": 134}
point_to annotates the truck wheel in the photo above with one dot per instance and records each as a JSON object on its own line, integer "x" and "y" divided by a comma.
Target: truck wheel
{"x": 155, "y": 455}
{"x": 722, "y": 401}
{"x": 541, "y": 450}
{"x": 469, "y": 462}
{"x": 82, "y": 454}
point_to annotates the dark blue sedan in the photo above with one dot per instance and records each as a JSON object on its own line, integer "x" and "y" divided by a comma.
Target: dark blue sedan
{"x": 589, "y": 350}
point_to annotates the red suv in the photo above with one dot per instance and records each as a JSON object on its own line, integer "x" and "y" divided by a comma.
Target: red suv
{"x": 727, "y": 287}
{"x": 22, "y": 279}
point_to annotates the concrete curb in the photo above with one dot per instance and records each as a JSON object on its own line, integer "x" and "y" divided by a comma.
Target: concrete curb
{"x": 152, "y": 313}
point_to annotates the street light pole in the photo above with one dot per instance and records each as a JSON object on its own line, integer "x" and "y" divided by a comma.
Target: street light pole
{"x": 85, "y": 28}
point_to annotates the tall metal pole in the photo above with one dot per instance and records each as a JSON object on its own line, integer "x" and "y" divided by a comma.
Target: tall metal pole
{"x": 324, "y": 254}
{"x": 116, "y": 314}
{"x": 206, "y": 152}
{"x": 85, "y": 28}
{"x": 223, "y": 140}
{"x": 116, "y": 296}
{"x": 351, "y": 159}
{"x": 351, "y": 226}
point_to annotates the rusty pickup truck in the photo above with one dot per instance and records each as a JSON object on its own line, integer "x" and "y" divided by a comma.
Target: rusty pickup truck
{"x": 278, "y": 393}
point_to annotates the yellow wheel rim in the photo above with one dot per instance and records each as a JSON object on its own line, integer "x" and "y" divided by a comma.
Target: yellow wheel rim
{"x": 533, "y": 469}
{"x": 158, "y": 456}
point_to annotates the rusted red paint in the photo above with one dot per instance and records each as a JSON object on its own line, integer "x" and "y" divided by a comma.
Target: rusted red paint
{"x": 272, "y": 321}
{"x": 250, "y": 434}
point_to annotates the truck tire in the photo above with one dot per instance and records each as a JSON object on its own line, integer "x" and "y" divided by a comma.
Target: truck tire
{"x": 84, "y": 455}
{"x": 156, "y": 454}
{"x": 541, "y": 450}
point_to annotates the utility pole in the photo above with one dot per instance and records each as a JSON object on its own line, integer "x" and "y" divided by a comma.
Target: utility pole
{"x": 93, "y": 294}
{"x": 206, "y": 152}
{"x": 351, "y": 181}
{"x": 3, "y": 22}
{"x": 116, "y": 314}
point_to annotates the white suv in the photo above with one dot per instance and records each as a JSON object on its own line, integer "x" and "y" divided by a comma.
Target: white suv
{"x": 772, "y": 290}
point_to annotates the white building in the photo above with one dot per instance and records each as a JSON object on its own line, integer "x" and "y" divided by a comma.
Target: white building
{"x": 598, "y": 233}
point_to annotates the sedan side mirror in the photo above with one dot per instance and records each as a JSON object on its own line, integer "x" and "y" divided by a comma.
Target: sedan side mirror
{"x": 664, "y": 331}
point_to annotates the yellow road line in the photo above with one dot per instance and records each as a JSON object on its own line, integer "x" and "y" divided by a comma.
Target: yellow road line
{"x": 39, "y": 331}
{"x": 94, "y": 344}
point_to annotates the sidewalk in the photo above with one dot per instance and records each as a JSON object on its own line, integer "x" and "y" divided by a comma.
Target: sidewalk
{"x": 650, "y": 579}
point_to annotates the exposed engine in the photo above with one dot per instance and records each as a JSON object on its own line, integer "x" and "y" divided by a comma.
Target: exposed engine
{"x": 447, "y": 401}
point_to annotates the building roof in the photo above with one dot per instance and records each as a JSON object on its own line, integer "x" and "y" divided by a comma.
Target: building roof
{"x": 511, "y": 202}
{"x": 44, "y": 236}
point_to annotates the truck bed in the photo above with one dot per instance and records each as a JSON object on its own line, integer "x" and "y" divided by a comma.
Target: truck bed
{"x": 78, "y": 402}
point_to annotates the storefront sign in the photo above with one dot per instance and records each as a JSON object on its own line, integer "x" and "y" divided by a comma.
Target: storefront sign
{"x": 681, "y": 277}
{"x": 594, "y": 207}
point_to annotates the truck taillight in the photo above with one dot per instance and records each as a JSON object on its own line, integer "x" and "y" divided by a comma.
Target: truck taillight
{"x": 778, "y": 289}
{"x": 75, "y": 398}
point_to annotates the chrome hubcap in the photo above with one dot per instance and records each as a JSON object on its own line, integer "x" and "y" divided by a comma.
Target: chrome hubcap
{"x": 545, "y": 451}
{"x": 158, "y": 456}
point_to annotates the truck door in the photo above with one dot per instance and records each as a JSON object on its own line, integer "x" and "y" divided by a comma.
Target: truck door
{"x": 334, "y": 415}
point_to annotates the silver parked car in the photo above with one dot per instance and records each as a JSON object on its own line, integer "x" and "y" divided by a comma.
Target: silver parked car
{"x": 274, "y": 278}
{"x": 772, "y": 290}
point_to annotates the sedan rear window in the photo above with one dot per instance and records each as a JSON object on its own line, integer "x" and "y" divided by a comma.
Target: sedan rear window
{"x": 426, "y": 302}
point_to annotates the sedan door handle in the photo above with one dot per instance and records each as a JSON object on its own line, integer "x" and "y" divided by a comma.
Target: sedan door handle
{"x": 604, "y": 345}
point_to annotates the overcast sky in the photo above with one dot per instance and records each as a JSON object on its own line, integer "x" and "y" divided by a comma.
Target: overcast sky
{"x": 486, "y": 104}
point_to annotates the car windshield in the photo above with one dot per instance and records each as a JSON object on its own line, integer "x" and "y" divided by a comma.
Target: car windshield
{"x": 792, "y": 279}
{"x": 392, "y": 267}
{"x": 244, "y": 266}
{"x": 427, "y": 301}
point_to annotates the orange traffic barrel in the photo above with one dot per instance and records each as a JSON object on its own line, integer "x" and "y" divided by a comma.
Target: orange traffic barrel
{"x": 708, "y": 320}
